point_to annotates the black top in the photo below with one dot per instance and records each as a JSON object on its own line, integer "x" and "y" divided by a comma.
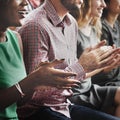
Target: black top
{"x": 112, "y": 35}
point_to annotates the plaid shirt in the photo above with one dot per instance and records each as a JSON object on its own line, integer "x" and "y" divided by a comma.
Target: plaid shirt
{"x": 46, "y": 37}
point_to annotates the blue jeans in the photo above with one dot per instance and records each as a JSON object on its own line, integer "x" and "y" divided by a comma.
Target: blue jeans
{"x": 76, "y": 112}
{"x": 85, "y": 113}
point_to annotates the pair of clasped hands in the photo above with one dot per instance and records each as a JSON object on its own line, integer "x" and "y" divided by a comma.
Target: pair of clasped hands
{"x": 93, "y": 60}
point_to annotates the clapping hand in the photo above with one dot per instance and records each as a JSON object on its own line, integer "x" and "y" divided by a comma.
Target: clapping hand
{"x": 97, "y": 58}
{"x": 50, "y": 76}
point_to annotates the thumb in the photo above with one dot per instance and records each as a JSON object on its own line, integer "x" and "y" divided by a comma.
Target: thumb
{"x": 55, "y": 62}
{"x": 88, "y": 49}
{"x": 50, "y": 64}
{"x": 101, "y": 43}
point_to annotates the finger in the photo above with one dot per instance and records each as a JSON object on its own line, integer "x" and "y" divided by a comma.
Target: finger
{"x": 63, "y": 87}
{"x": 50, "y": 64}
{"x": 68, "y": 86}
{"x": 73, "y": 81}
{"x": 110, "y": 66}
{"x": 107, "y": 61}
{"x": 102, "y": 50}
{"x": 116, "y": 62}
{"x": 43, "y": 63}
{"x": 62, "y": 73}
{"x": 56, "y": 62}
{"x": 113, "y": 53}
{"x": 67, "y": 81}
{"x": 88, "y": 49}
{"x": 101, "y": 43}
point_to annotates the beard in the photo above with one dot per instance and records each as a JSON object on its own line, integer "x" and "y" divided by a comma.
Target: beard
{"x": 68, "y": 4}
{"x": 75, "y": 12}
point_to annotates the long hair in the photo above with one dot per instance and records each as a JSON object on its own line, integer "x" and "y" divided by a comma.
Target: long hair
{"x": 85, "y": 16}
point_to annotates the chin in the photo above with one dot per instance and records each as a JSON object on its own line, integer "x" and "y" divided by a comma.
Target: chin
{"x": 98, "y": 15}
{"x": 17, "y": 23}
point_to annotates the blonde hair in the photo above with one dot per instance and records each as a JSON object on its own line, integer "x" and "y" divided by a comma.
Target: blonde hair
{"x": 85, "y": 12}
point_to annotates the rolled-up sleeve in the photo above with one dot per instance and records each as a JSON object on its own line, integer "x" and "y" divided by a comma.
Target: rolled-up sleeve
{"x": 78, "y": 69}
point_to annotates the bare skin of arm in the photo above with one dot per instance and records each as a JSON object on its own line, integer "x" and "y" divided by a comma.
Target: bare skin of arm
{"x": 45, "y": 74}
{"x": 95, "y": 59}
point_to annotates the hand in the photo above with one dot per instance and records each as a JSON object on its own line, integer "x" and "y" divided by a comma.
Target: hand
{"x": 116, "y": 61}
{"x": 108, "y": 68}
{"x": 98, "y": 57}
{"x": 50, "y": 76}
{"x": 115, "y": 64}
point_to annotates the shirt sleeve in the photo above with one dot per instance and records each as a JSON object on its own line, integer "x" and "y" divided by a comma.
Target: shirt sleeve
{"x": 78, "y": 69}
{"x": 34, "y": 45}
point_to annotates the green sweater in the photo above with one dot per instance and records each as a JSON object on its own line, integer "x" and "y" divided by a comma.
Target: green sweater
{"x": 12, "y": 70}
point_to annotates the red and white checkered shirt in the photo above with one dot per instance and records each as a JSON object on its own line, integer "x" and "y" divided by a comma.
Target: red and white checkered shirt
{"x": 46, "y": 37}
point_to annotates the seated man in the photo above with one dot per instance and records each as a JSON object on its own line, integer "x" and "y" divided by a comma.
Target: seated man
{"x": 49, "y": 33}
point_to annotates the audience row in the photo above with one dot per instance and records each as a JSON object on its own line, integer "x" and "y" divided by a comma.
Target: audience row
{"x": 60, "y": 61}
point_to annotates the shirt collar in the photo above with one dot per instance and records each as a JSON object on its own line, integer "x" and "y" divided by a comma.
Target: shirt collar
{"x": 53, "y": 16}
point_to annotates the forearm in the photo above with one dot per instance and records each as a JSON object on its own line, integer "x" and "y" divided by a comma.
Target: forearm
{"x": 11, "y": 95}
{"x": 90, "y": 74}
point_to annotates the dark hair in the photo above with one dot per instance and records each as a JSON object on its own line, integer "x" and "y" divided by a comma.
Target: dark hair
{"x": 105, "y": 10}
{"x": 75, "y": 12}
{"x": 4, "y": 4}
{"x": 4, "y": 1}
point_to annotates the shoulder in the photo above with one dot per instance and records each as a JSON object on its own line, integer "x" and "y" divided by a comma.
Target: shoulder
{"x": 36, "y": 16}
{"x": 105, "y": 26}
{"x": 117, "y": 23}
{"x": 16, "y": 34}
{"x": 19, "y": 40}
{"x": 13, "y": 33}
{"x": 36, "y": 20}
{"x": 104, "y": 23}
{"x": 73, "y": 22}
{"x": 16, "y": 38}
{"x": 72, "y": 19}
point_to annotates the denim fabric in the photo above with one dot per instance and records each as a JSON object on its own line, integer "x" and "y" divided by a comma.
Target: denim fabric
{"x": 76, "y": 112}
{"x": 84, "y": 113}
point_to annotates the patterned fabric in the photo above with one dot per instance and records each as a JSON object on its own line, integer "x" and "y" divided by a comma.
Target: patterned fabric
{"x": 46, "y": 37}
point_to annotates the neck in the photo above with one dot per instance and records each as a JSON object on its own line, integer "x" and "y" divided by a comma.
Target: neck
{"x": 2, "y": 37}
{"x": 87, "y": 23}
{"x": 2, "y": 29}
{"x": 86, "y": 28}
{"x": 2, "y": 34}
{"x": 60, "y": 9}
{"x": 111, "y": 18}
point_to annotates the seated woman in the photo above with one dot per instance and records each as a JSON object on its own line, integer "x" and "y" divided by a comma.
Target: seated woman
{"x": 89, "y": 34}
{"x": 111, "y": 33}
